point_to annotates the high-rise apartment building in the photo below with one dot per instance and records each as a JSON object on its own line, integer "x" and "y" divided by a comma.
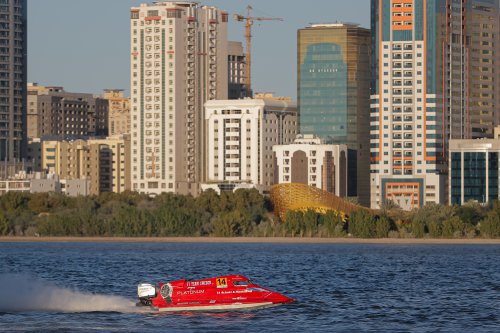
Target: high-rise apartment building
{"x": 434, "y": 80}
{"x": 178, "y": 62}
{"x": 53, "y": 112}
{"x": 13, "y": 76}
{"x": 241, "y": 135}
{"x": 118, "y": 112}
{"x": 407, "y": 119}
{"x": 333, "y": 83}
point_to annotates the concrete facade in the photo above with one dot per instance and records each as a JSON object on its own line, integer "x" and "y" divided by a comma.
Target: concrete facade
{"x": 236, "y": 71}
{"x": 102, "y": 162}
{"x": 118, "y": 112}
{"x": 178, "y": 61}
{"x": 241, "y": 135}
{"x": 53, "y": 112}
{"x": 308, "y": 160}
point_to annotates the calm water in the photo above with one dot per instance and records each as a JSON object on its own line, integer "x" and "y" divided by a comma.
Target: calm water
{"x": 90, "y": 287}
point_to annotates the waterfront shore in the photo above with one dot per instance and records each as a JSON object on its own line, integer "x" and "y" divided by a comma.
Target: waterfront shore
{"x": 281, "y": 240}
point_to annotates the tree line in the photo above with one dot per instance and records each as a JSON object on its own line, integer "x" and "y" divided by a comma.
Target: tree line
{"x": 242, "y": 213}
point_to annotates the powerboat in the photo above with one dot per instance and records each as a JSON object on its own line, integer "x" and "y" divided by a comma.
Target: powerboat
{"x": 222, "y": 293}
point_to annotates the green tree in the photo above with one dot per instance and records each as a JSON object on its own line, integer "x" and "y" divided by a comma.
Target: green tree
{"x": 294, "y": 223}
{"x": 490, "y": 225}
{"x": 229, "y": 224}
{"x": 5, "y": 227}
{"x": 453, "y": 227}
{"x": 361, "y": 224}
{"x": 311, "y": 220}
{"x": 332, "y": 223}
{"x": 418, "y": 228}
{"x": 435, "y": 228}
{"x": 382, "y": 227}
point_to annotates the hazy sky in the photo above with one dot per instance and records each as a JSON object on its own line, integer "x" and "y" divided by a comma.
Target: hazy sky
{"x": 84, "y": 45}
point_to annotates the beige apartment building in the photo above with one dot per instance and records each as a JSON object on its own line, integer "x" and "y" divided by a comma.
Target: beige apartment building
{"x": 178, "y": 61}
{"x": 118, "y": 112}
{"x": 103, "y": 162}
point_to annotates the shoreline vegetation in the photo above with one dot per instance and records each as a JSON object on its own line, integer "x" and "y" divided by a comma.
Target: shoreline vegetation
{"x": 244, "y": 215}
{"x": 252, "y": 240}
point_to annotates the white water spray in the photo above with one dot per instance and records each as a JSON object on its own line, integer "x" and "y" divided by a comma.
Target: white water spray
{"x": 23, "y": 293}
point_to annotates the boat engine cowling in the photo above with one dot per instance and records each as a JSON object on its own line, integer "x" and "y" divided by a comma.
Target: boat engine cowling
{"x": 146, "y": 293}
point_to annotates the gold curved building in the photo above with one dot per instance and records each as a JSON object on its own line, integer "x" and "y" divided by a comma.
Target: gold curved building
{"x": 297, "y": 196}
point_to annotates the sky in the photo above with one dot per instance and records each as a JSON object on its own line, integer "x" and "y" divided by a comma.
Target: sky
{"x": 84, "y": 45}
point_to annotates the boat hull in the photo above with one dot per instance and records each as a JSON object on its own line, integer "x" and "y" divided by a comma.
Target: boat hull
{"x": 217, "y": 307}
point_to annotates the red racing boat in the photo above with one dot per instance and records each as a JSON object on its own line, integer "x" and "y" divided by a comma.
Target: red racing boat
{"x": 222, "y": 293}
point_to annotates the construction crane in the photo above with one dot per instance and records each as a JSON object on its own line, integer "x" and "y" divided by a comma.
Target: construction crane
{"x": 248, "y": 36}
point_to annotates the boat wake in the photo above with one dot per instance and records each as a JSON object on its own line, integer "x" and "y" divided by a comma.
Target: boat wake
{"x": 20, "y": 293}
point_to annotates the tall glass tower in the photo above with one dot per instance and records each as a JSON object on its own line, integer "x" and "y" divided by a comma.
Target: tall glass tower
{"x": 13, "y": 59}
{"x": 333, "y": 82}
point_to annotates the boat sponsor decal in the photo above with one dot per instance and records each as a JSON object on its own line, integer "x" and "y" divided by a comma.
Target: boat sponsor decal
{"x": 256, "y": 289}
{"x": 221, "y": 282}
{"x": 199, "y": 283}
{"x": 233, "y": 292}
{"x": 189, "y": 292}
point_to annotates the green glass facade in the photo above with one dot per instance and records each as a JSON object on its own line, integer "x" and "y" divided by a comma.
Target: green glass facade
{"x": 323, "y": 93}
{"x": 333, "y": 91}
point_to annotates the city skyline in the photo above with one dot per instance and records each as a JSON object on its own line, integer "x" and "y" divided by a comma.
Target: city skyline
{"x": 64, "y": 50}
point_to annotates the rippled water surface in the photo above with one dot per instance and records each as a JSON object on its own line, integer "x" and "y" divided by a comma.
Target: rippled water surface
{"x": 90, "y": 287}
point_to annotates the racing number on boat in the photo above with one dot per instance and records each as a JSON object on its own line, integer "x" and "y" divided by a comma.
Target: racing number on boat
{"x": 221, "y": 282}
